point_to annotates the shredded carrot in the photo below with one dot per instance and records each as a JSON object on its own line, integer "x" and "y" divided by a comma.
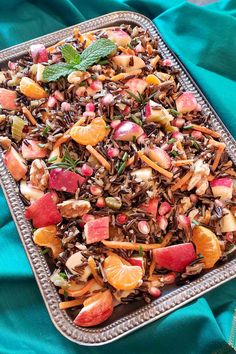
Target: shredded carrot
{"x": 53, "y": 47}
{"x": 152, "y": 268}
{"x": 99, "y": 157}
{"x": 126, "y": 50}
{"x": 149, "y": 49}
{"x": 207, "y": 217}
{"x": 29, "y": 116}
{"x": 181, "y": 149}
{"x": 182, "y": 181}
{"x": 183, "y": 162}
{"x": 83, "y": 290}
{"x": 130, "y": 161}
{"x": 205, "y": 130}
{"x": 45, "y": 116}
{"x": 66, "y": 136}
{"x": 219, "y": 153}
{"x": 76, "y": 33}
{"x": 92, "y": 265}
{"x": 210, "y": 177}
{"x": 68, "y": 304}
{"x": 102, "y": 78}
{"x": 123, "y": 76}
{"x": 153, "y": 165}
{"x": 137, "y": 246}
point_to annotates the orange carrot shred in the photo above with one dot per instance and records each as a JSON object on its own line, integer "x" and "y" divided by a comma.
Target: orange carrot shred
{"x": 182, "y": 181}
{"x": 153, "y": 165}
{"x": 92, "y": 266}
{"x": 219, "y": 153}
{"x": 183, "y": 162}
{"x": 99, "y": 157}
{"x": 66, "y": 136}
{"x": 53, "y": 47}
{"x": 29, "y": 116}
{"x": 123, "y": 76}
{"x": 130, "y": 161}
{"x": 68, "y": 304}
{"x": 152, "y": 268}
{"x": 205, "y": 130}
{"x": 210, "y": 177}
{"x": 83, "y": 290}
{"x": 180, "y": 147}
{"x": 207, "y": 217}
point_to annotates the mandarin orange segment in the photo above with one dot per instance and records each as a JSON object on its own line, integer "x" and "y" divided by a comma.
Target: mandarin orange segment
{"x": 46, "y": 236}
{"x": 90, "y": 134}
{"x": 31, "y": 89}
{"x": 207, "y": 244}
{"x": 152, "y": 80}
{"x": 121, "y": 275}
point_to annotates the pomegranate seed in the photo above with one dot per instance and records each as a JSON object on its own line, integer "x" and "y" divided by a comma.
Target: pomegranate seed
{"x": 169, "y": 278}
{"x": 90, "y": 107}
{"x": 154, "y": 292}
{"x": 100, "y": 202}
{"x": 143, "y": 227}
{"x": 65, "y": 106}
{"x": 197, "y": 135}
{"x": 121, "y": 219}
{"x": 86, "y": 170}
{"x": 95, "y": 190}
{"x": 178, "y": 122}
{"x": 115, "y": 123}
{"x": 193, "y": 198}
{"x": 113, "y": 152}
{"x": 164, "y": 208}
{"x": 162, "y": 222}
{"x": 141, "y": 139}
{"x": 167, "y": 62}
{"x": 178, "y": 136}
{"x": 52, "y": 102}
{"x": 59, "y": 95}
{"x": 107, "y": 99}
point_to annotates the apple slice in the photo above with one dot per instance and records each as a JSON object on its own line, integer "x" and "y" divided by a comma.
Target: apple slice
{"x": 186, "y": 103}
{"x": 119, "y": 37}
{"x": 127, "y": 130}
{"x": 228, "y": 222}
{"x": 29, "y": 192}
{"x": 76, "y": 260}
{"x": 222, "y": 187}
{"x": 31, "y": 150}
{"x": 66, "y": 181}
{"x": 97, "y": 230}
{"x": 97, "y": 309}
{"x": 159, "y": 156}
{"x": 155, "y": 113}
{"x": 164, "y": 208}
{"x": 143, "y": 174}
{"x": 175, "y": 257}
{"x": 15, "y": 163}
{"x": 39, "y": 53}
{"x": 128, "y": 62}
{"x": 137, "y": 261}
{"x": 8, "y": 99}
{"x": 150, "y": 207}
{"x": 136, "y": 86}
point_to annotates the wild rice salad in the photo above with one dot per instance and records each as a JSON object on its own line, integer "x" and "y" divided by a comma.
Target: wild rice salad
{"x": 127, "y": 187}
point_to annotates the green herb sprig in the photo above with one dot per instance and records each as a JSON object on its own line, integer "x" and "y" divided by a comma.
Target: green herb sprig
{"x": 76, "y": 61}
{"x": 141, "y": 98}
{"x": 67, "y": 163}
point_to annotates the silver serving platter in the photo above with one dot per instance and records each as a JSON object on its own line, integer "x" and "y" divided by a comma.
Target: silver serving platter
{"x": 126, "y": 318}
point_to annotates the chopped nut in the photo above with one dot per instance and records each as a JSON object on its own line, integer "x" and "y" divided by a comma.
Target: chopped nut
{"x": 73, "y": 208}
{"x": 185, "y": 205}
{"x": 199, "y": 179}
{"x": 39, "y": 174}
{"x": 76, "y": 77}
{"x": 3, "y": 118}
{"x": 5, "y": 142}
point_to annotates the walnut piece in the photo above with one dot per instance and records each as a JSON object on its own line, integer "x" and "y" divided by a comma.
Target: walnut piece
{"x": 39, "y": 174}
{"x": 73, "y": 208}
{"x": 5, "y": 142}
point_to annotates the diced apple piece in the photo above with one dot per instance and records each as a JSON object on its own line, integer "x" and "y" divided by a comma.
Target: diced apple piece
{"x": 31, "y": 150}
{"x": 162, "y": 222}
{"x": 39, "y": 53}
{"x": 137, "y": 261}
{"x": 95, "y": 87}
{"x": 155, "y": 113}
{"x": 128, "y": 62}
{"x": 175, "y": 257}
{"x": 76, "y": 260}
{"x": 222, "y": 187}
{"x": 150, "y": 207}
{"x": 186, "y": 103}
{"x": 66, "y": 181}
{"x": 29, "y": 192}
{"x": 97, "y": 230}
{"x": 159, "y": 156}
{"x": 97, "y": 309}
{"x": 8, "y": 99}
{"x": 164, "y": 208}
{"x": 143, "y": 174}
{"x": 15, "y": 164}
{"x": 228, "y": 222}
{"x": 127, "y": 130}
{"x": 55, "y": 153}
{"x": 136, "y": 86}
{"x": 119, "y": 37}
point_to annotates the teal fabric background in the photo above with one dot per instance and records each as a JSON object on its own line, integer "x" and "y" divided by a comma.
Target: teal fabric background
{"x": 204, "y": 39}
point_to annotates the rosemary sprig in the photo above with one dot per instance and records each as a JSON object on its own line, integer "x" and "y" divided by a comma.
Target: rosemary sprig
{"x": 67, "y": 162}
{"x": 141, "y": 98}
{"x": 122, "y": 165}
{"x": 136, "y": 120}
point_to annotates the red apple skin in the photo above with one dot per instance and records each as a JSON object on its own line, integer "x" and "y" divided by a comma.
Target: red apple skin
{"x": 159, "y": 156}
{"x": 150, "y": 207}
{"x": 136, "y": 85}
{"x": 137, "y": 261}
{"x": 15, "y": 164}
{"x": 175, "y": 257}
{"x": 95, "y": 312}
{"x": 33, "y": 150}
{"x": 222, "y": 187}
{"x": 118, "y": 36}
{"x": 126, "y": 130}
{"x": 39, "y": 53}
{"x": 7, "y": 99}
{"x": 186, "y": 103}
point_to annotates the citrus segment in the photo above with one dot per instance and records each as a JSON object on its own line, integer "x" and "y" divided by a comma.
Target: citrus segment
{"x": 46, "y": 236}
{"x": 31, "y": 89}
{"x": 90, "y": 134}
{"x": 121, "y": 275}
{"x": 207, "y": 245}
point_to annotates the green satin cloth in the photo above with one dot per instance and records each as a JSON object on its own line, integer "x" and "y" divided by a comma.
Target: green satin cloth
{"x": 205, "y": 40}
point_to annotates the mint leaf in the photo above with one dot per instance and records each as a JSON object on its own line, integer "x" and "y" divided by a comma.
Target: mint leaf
{"x": 97, "y": 50}
{"x": 54, "y": 72}
{"x": 70, "y": 54}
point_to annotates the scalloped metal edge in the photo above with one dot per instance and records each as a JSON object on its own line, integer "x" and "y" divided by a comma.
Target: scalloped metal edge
{"x": 159, "y": 307}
